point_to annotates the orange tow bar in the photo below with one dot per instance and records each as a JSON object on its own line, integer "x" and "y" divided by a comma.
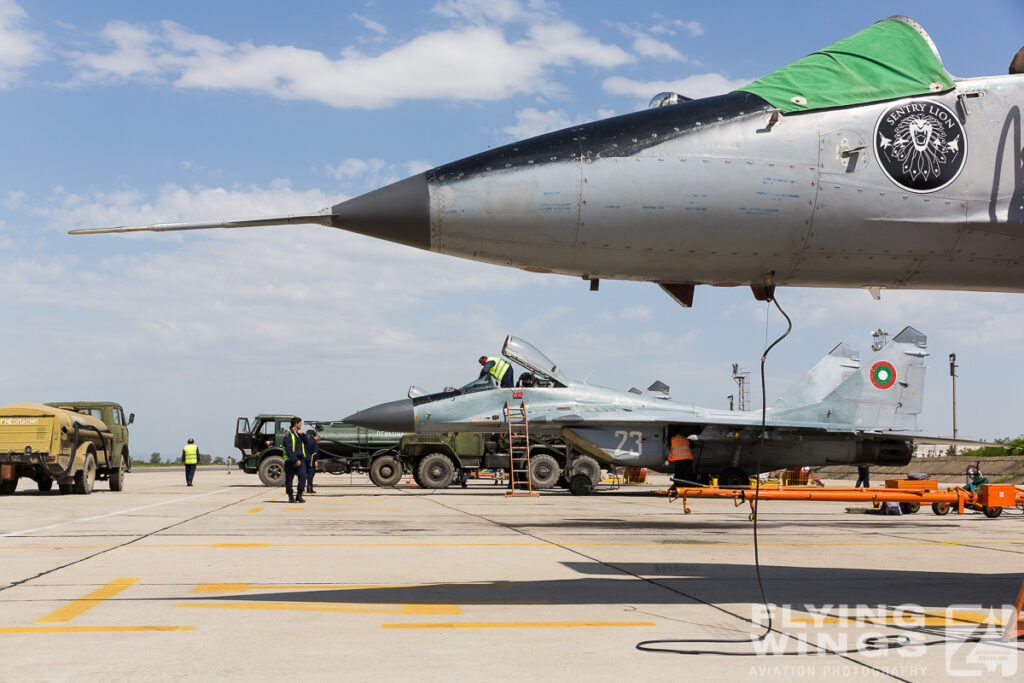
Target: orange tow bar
{"x": 990, "y": 499}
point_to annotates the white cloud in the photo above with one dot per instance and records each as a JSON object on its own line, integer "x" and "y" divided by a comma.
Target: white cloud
{"x": 531, "y": 121}
{"x": 696, "y": 86}
{"x": 475, "y": 62}
{"x": 370, "y": 24}
{"x": 481, "y": 11}
{"x": 19, "y": 47}
{"x": 670, "y": 27}
{"x": 646, "y": 46}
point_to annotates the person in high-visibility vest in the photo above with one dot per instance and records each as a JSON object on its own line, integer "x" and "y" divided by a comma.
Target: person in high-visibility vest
{"x": 190, "y": 457}
{"x": 681, "y": 457}
{"x": 500, "y": 368}
{"x": 295, "y": 460}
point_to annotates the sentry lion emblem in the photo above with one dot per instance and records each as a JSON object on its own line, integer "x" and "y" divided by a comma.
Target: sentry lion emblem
{"x": 921, "y": 145}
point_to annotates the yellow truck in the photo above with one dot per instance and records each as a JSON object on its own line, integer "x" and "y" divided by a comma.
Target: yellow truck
{"x": 69, "y": 445}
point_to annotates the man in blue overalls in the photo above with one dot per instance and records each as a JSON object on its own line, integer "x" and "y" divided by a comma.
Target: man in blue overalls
{"x": 313, "y": 452}
{"x": 295, "y": 460}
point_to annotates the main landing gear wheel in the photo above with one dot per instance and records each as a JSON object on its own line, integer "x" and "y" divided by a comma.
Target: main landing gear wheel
{"x": 940, "y": 508}
{"x": 581, "y": 485}
{"x": 733, "y": 476}
{"x": 436, "y": 471}
{"x": 385, "y": 471}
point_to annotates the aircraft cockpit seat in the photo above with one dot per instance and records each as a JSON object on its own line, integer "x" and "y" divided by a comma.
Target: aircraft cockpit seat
{"x": 1017, "y": 65}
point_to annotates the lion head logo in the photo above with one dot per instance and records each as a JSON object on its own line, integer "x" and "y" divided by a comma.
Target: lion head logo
{"x": 919, "y": 145}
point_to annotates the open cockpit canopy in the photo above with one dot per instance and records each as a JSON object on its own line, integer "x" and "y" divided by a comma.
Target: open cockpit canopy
{"x": 530, "y": 357}
{"x": 890, "y": 59}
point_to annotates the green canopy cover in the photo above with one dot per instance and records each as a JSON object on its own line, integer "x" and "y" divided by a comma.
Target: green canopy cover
{"x": 891, "y": 59}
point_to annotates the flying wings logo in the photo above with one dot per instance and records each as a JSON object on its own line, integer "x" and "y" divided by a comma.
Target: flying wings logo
{"x": 921, "y": 145}
{"x": 883, "y": 374}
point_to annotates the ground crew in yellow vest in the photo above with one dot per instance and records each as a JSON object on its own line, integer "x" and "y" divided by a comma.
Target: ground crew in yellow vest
{"x": 681, "y": 457}
{"x": 190, "y": 457}
{"x": 498, "y": 367}
{"x": 295, "y": 460}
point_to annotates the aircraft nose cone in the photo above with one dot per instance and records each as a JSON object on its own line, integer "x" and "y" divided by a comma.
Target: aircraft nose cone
{"x": 399, "y": 212}
{"x": 395, "y": 416}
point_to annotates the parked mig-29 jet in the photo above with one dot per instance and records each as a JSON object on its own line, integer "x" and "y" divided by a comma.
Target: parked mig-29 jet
{"x": 839, "y": 412}
{"x": 865, "y": 164}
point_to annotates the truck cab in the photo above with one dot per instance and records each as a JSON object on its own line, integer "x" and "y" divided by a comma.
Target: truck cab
{"x": 112, "y": 415}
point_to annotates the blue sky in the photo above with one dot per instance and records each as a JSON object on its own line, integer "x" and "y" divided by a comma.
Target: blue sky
{"x": 120, "y": 112}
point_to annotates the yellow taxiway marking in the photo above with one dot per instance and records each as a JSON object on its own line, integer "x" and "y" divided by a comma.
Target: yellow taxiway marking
{"x": 525, "y": 624}
{"x": 507, "y": 545}
{"x": 241, "y": 587}
{"x": 254, "y": 510}
{"x": 91, "y": 629}
{"x": 86, "y": 603}
{"x": 403, "y": 608}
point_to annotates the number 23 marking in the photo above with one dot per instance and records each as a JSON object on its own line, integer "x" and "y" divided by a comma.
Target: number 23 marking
{"x": 638, "y": 436}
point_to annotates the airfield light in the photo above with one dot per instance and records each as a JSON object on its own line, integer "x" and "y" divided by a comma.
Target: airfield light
{"x": 952, "y": 373}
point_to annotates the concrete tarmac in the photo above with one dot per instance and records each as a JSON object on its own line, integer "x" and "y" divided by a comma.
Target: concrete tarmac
{"x": 226, "y": 580}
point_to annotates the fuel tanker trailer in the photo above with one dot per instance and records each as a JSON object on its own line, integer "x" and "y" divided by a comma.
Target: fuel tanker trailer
{"x": 343, "y": 447}
{"x": 48, "y": 444}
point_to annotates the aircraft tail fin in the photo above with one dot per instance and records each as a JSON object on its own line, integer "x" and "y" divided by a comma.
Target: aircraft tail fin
{"x": 884, "y": 393}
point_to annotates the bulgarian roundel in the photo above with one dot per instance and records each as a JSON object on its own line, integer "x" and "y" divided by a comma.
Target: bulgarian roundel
{"x": 883, "y": 374}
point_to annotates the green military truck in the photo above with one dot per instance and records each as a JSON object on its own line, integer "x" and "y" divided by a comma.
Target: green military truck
{"x": 343, "y": 447}
{"x": 435, "y": 460}
{"x": 72, "y": 443}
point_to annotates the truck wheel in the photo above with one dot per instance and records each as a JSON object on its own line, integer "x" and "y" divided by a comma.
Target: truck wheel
{"x": 436, "y": 471}
{"x": 416, "y": 476}
{"x": 940, "y": 508}
{"x": 85, "y": 478}
{"x": 544, "y": 471}
{"x": 117, "y": 476}
{"x": 992, "y": 513}
{"x": 386, "y": 471}
{"x": 271, "y": 470}
{"x": 66, "y": 489}
{"x": 44, "y": 484}
{"x": 581, "y": 485}
{"x": 8, "y": 486}
{"x": 733, "y": 476}
{"x": 587, "y": 465}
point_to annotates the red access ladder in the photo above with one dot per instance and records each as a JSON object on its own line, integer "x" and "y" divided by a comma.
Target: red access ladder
{"x": 518, "y": 450}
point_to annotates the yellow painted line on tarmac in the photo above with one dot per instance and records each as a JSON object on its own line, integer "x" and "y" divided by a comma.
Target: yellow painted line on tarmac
{"x": 403, "y": 608}
{"x": 512, "y": 545}
{"x": 91, "y": 629}
{"x": 86, "y": 603}
{"x": 523, "y": 624}
{"x": 207, "y": 588}
{"x": 254, "y": 510}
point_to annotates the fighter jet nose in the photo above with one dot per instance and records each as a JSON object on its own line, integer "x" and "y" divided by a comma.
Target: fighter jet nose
{"x": 399, "y": 212}
{"x": 396, "y": 416}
